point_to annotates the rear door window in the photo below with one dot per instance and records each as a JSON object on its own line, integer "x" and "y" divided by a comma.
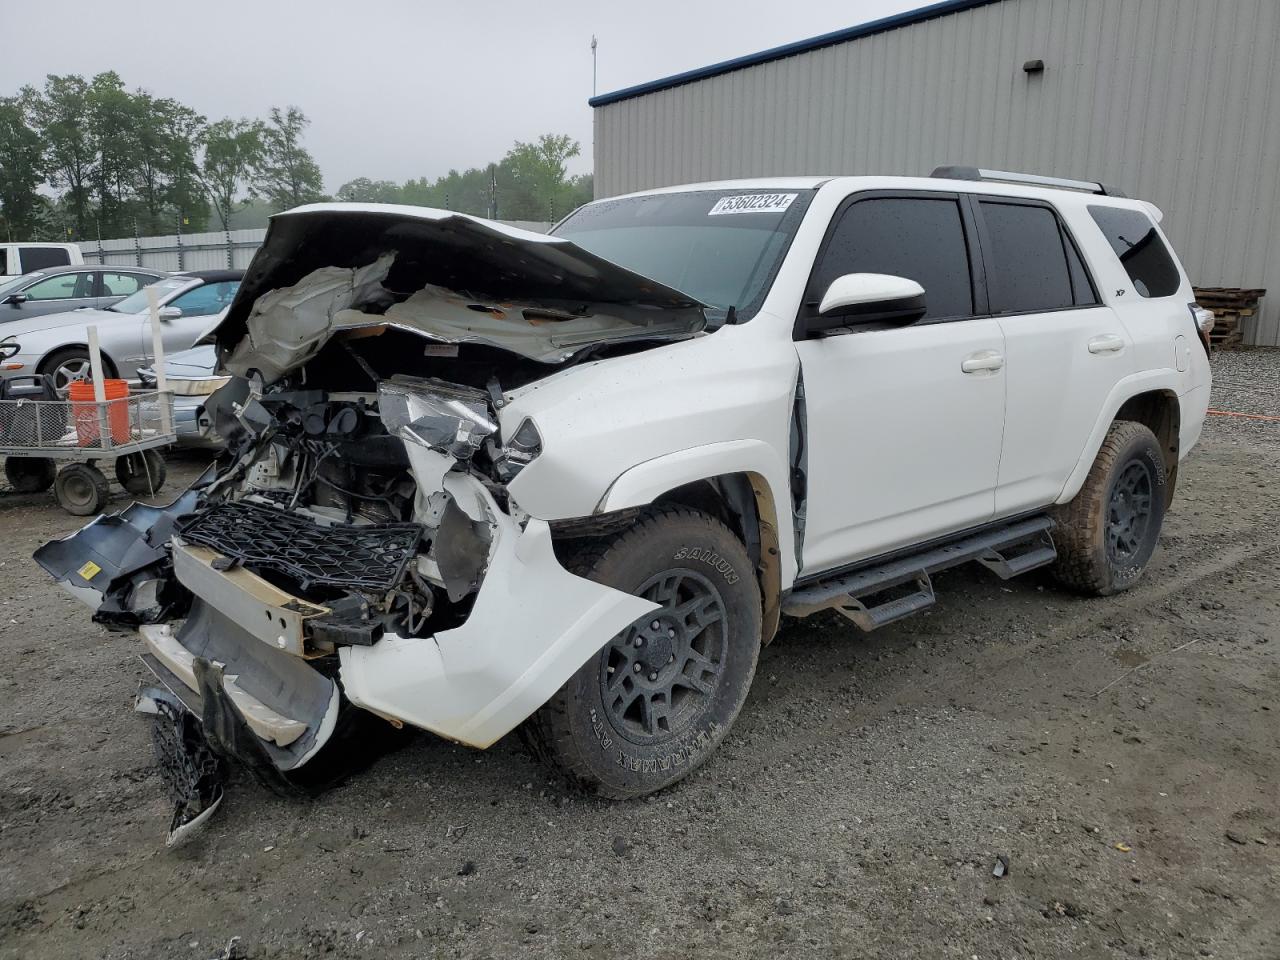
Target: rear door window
{"x": 1030, "y": 261}
{"x": 38, "y": 258}
{"x": 122, "y": 284}
{"x": 920, "y": 238}
{"x": 1136, "y": 242}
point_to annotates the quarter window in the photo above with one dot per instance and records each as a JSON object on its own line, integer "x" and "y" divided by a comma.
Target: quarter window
{"x": 920, "y": 238}
{"x": 1136, "y": 242}
{"x": 1028, "y": 268}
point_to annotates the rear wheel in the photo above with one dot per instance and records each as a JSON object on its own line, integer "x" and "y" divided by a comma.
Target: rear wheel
{"x": 30, "y": 474}
{"x": 141, "y": 474}
{"x": 81, "y": 489}
{"x": 1107, "y": 534}
{"x": 659, "y": 697}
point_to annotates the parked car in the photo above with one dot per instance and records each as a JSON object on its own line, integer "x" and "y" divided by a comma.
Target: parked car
{"x": 481, "y": 480}
{"x": 59, "y": 289}
{"x": 190, "y": 375}
{"x": 57, "y": 344}
{"x": 19, "y": 258}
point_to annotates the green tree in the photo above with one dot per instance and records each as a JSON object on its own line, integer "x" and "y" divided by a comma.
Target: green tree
{"x": 165, "y": 172}
{"x": 286, "y": 175}
{"x": 364, "y": 190}
{"x": 61, "y": 115}
{"x": 113, "y": 121}
{"x": 21, "y": 171}
{"x": 533, "y": 180}
{"x": 232, "y": 151}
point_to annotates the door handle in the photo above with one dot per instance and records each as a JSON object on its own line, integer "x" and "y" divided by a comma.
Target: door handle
{"x": 1107, "y": 343}
{"x": 984, "y": 361}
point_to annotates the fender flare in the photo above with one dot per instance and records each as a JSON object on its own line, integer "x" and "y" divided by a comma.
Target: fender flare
{"x": 645, "y": 482}
{"x": 1147, "y": 381}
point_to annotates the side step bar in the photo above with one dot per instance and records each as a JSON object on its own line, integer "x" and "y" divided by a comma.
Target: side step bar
{"x": 1007, "y": 551}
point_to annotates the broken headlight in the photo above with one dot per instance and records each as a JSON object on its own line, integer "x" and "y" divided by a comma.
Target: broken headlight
{"x": 524, "y": 446}
{"x": 442, "y": 416}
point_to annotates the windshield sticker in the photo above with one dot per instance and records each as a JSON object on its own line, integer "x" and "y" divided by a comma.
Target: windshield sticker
{"x": 752, "y": 203}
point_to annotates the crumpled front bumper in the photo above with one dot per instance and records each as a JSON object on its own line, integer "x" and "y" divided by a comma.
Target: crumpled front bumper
{"x": 532, "y": 625}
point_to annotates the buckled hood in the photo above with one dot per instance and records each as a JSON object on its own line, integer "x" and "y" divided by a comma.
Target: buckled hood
{"x": 442, "y": 262}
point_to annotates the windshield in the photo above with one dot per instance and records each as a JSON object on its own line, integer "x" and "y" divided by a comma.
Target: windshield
{"x": 722, "y": 247}
{"x": 11, "y": 285}
{"x": 137, "y": 302}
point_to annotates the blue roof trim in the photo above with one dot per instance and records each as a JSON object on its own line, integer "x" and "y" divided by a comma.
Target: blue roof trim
{"x": 905, "y": 19}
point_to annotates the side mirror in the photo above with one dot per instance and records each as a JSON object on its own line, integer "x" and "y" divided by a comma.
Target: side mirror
{"x": 170, "y": 313}
{"x": 16, "y": 298}
{"x": 857, "y": 298}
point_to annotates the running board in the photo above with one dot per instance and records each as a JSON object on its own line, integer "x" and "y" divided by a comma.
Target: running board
{"x": 1007, "y": 551}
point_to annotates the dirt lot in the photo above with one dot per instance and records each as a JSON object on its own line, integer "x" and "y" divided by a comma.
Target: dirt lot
{"x": 1122, "y": 754}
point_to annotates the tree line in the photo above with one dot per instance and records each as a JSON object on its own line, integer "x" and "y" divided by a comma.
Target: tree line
{"x": 88, "y": 158}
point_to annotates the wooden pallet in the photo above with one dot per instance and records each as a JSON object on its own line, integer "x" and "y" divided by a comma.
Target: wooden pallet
{"x": 1231, "y": 306}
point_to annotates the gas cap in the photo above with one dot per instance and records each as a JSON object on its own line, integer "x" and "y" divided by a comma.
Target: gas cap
{"x": 1181, "y": 353}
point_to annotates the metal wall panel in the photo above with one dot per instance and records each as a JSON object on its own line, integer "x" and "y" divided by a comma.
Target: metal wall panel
{"x": 1174, "y": 101}
{"x": 203, "y": 251}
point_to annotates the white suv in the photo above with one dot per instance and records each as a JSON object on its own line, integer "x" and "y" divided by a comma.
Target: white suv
{"x": 480, "y": 479}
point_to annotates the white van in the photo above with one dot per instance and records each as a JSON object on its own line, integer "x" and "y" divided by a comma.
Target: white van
{"x": 19, "y": 258}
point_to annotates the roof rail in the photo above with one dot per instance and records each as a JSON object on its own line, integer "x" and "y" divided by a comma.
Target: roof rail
{"x": 1030, "y": 179}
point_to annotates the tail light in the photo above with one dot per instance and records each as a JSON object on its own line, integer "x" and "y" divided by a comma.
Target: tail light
{"x": 1204, "y": 322}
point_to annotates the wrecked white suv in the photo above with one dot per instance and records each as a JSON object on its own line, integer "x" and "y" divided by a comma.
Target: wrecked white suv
{"x": 479, "y": 479}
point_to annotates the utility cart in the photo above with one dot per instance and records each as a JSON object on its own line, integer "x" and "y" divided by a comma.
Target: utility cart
{"x": 60, "y": 443}
{"x": 97, "y": 420}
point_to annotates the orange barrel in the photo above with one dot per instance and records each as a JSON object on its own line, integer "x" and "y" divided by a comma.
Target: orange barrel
{"x": 84, "y": 411}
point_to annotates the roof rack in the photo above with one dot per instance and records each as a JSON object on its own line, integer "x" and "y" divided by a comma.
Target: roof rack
{"x": 1030, "y": 179}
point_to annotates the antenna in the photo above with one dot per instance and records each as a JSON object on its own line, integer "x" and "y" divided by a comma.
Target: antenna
{"x": 593, "y": 65}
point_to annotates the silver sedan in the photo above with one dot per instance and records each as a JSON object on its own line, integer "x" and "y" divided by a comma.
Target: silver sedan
{"x": 57, "y": 345}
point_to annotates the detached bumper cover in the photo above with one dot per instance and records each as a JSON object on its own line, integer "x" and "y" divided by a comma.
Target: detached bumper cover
{"x": 533, "y": 625}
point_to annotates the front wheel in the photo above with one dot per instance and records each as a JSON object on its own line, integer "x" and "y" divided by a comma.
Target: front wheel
{"x": 1106, "y": 535}
{"x": 660, "y": 696}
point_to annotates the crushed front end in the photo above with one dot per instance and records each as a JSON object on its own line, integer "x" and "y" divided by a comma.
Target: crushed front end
{"x": 355, "y": 549}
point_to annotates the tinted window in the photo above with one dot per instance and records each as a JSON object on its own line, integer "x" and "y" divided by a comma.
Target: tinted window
{"x": 913, "y": 237}
{"x": 37, "y": 258}
{"x": 207, "y": 299}
{"x": 122, "y": 284}
{"x": 1143, "y": 254}
{"x": 1082, "y": 289}
{"x": 1027, "y": 264}
{"x": 64, "y": 286}
{"x": 4, "y": 264}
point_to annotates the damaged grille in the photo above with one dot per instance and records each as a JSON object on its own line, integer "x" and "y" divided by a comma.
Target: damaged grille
{"x": 371, "y": 557}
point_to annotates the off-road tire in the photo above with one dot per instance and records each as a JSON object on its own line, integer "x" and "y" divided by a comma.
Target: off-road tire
{"x": 1086, "y": 561}
{"x": 30, "y": 474}
{"x": 81, "y": 489}
{"x": 141, "y": 474}
{"x": 585, "y": 731}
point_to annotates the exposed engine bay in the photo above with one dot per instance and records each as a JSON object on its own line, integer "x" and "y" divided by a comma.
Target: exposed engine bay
{"x": 356, "y": 543}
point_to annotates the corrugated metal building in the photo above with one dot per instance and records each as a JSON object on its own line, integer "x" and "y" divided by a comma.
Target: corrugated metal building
{"x": 1173, "y": 101}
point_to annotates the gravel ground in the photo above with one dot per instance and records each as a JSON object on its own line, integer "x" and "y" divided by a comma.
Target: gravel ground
{"x": 1121, "y": 754}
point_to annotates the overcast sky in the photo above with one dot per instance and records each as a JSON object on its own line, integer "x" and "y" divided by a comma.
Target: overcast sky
{"x": 398, "y": 89}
